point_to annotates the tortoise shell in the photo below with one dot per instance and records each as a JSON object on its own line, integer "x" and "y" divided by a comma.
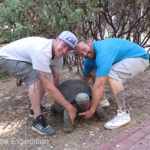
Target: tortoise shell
{"x": 69, "y": 90}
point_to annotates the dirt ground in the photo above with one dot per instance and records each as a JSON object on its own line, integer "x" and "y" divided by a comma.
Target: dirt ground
{"x": 15, "y": 124}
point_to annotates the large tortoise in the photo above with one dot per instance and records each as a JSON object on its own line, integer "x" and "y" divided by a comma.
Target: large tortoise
{"x": 79, "y": 94}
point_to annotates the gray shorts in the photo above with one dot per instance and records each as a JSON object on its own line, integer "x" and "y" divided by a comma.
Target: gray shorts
{"x": 127, "y": 68}
{"x": 19, "y": 69}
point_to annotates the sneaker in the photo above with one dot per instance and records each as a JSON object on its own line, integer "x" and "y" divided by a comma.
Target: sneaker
{"x": 44, "y": 110}
{"x": 39, "y": 125}
{"x": 104, "y": 103}
{"x": 119, "y": 120}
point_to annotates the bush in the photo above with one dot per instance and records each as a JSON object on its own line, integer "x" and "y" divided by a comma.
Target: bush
{"x": 89, "y": 19}
{"x": 94, "y": 20}
{"x": 1, "y": 76}
{"x": 23, "y": 18}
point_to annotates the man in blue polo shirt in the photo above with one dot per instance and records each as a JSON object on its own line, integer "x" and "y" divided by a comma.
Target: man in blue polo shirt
{"x": 115, "y": 60}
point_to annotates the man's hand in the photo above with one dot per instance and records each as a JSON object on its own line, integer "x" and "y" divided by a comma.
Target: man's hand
{"x": 87, "y": 114}
{"x": 97, "y": 93}
{"x": 72, "y": 113}
{"x": 48, "y": 83}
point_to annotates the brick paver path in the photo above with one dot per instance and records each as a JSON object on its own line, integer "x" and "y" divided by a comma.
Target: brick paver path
{"x": 137, "y": 138}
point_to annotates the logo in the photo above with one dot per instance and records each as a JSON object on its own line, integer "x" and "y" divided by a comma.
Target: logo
{"x": 71, "y": 40}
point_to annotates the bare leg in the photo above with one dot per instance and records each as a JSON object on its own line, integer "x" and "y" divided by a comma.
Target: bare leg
{"x": 118, "y": 93}
{"x": 122, "y": 117}
{"x": 36, "y": 92}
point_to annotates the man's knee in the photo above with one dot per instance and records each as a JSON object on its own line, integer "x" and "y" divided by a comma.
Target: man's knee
{"x": 111, "y": 79}
{"x": 114, "y": 83}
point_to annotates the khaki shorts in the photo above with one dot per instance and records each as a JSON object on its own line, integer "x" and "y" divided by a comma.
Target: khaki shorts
{"x": 127, "y": 68}
{"x": 19, "y": 69}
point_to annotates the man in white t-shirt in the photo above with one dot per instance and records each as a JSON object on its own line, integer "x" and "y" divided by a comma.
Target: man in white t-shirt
{"x": 37, "y": 62}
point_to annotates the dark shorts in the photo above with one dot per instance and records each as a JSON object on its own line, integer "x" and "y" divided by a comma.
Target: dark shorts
{"x": 19, "y": 69}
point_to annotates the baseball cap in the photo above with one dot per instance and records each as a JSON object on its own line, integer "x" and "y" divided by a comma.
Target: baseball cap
{"x": 69, "y": 38}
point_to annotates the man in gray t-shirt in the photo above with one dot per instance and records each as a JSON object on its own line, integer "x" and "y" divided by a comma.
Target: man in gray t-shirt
{"x": 37, "y": 62}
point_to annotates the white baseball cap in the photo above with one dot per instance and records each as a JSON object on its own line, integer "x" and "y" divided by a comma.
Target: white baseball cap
{"x": 69, "y": 38}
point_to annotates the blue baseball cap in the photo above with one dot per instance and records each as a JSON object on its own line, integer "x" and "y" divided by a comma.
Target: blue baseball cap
{"x": 69, "y": 38}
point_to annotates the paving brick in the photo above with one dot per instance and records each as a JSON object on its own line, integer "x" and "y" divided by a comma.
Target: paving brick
{"x": 146, "y": 129}
{"x": 106, "y": 146}
{"x": 136, "y": 136}
{"x": 140, "y": 145}
{"x": 116, "y": 148}
{"x": 147, "y": 136}
{"x": 120, "y": 137}
{"x": 124, "y": 145}
{"x": 113, "y": 142}
{"x": 148, "y": 148}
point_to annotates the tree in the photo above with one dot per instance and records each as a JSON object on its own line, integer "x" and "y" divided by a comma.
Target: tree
{"x": 94, "y": 19}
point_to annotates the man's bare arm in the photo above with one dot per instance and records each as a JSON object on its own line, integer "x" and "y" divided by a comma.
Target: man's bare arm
{"x": 56, "y": 79}
{"x": 50, "y": 88}
{"x": 97, "y": 91}
{"x": 97, "y": 94}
